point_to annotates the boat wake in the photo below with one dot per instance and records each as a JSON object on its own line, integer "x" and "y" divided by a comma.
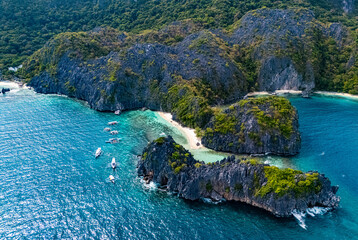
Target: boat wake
{"x": 301, "y": 216}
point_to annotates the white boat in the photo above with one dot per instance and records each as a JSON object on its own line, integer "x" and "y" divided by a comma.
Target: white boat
{"x": 98, "y": 152}
{"x": 115, "y": 132}
{"x": 111, "y": 178}
{"x": 112, "y": 123}
{"x": 118, "y": 112}
{"x": 107, "y": 129}
{"x": 113, "y": 163}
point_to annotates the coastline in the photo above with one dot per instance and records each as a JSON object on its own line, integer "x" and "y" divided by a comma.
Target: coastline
{"x": 277, "y": 92}
{"x": 189, "y": 133}
{"x": 336, "y": 94}
{"x": 296, "y": 92}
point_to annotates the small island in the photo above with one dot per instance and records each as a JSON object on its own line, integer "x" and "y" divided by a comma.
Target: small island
{"x": 279, "y": 191}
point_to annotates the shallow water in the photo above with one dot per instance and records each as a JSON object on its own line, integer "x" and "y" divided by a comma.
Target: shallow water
{"x": 52, "y": 187}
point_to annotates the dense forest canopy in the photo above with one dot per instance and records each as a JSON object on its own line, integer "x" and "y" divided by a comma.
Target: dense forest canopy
{"x": 26, "y": 25}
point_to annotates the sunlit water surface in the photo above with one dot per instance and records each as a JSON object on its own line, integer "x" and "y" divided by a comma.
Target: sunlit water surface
{"x": 53, "y": 187}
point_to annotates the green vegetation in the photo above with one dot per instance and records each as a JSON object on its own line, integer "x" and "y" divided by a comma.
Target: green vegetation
{"x": 26, "y": 26}
{"x": 189, "y": 101}
{"x": 224, "y": 123}
{"x": 288, "y": 181}
{"x": 83, "y": 45}
{"x": 279, "y": 115}
{"x": 272, "y": 114}
{"x": 178, "y": 159}
{"x": 160, "y": 140}
{"x": 209, "y": 187}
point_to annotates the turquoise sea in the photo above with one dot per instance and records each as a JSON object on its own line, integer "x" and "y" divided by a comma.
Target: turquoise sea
{"x": 52, "y": 187}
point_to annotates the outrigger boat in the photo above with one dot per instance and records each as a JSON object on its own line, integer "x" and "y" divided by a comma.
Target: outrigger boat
{"x": 111, "y": 178}
{"x": 107, "y": 129}
{"x": 113, "y": 123}
{"x": 98, "y": 152}
{"x": 113, "y": 163}
{"x": 115, "y": 132}
{"x": 113, "y": 140}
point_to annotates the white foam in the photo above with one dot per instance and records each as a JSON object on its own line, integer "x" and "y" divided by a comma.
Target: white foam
{"x": 313, "y": 212}
{"x": 322, "y": 154}
{"x": 7, "y": 84}
{"x": 210, "y": 201}
{"x": 300, "y": 216}
{"x": 150, "y": 186}
{"x": 317, "y": 211}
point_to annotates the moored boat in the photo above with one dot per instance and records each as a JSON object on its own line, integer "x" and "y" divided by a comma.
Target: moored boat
{"x": 115, "y": 132}
{"x": 112, "y": 123}
{"x": 113, "y": 163}
{"x": 111, "y": 178}
{"x": 98, "y": 152}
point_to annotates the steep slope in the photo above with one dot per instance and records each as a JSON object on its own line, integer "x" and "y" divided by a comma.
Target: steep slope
{"x": 266, "y": 50}
{"x": 260, "y": 125}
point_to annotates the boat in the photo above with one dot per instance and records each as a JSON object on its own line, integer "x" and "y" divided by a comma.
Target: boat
{"x": 111, "y": 178}
{"x": 113, "y": 163}
{"x": 112, "y": 123}
{"x": 113, "y": 140}
{"x": 107, "y": 129}
{"x": 118, "y": 112}
{"x": 115, "y": 132}
{"x": 98, "y": 152}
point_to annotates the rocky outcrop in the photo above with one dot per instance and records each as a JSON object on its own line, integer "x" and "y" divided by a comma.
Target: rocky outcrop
{"x": 277, "y": 191}
{"x": 267, "y": 125}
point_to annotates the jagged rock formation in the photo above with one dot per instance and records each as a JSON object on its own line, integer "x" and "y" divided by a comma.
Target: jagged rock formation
{"x": 266, "y": 50}
{"x": 260, "y": 125}
{"x": 277, "y": 191}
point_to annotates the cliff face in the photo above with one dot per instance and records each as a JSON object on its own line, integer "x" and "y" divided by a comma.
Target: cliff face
{"x": 266, "y": 50}
{"x": 266, "y": 125}
{"x": 277, "y": 191}
{"x": 136, "y": 76}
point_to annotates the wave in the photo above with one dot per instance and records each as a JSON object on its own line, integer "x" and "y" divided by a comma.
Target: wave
{"x": 210, "y": 201}
{"x": 301, "y": 216}
{"x": 150, "y": 186}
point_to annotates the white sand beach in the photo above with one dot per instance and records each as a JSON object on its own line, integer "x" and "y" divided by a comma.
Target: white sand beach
{"x": 336, "y": 94}
{"x": 188, "y": 132}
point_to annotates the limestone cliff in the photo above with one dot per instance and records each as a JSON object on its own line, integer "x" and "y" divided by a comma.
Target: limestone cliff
{"x": 266, "y": 125}
{"x": 275, "y": 190}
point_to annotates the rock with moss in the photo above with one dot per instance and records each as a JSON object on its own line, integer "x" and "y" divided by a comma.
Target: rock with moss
{"x": 264, "y": 125}
{"x": 279, "y": 191}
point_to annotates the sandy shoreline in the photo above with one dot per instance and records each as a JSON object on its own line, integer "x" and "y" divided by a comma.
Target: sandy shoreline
{"x": 188, "y": 132}
{"x": 336, "y": 94}
{"x": 252, "y": 94}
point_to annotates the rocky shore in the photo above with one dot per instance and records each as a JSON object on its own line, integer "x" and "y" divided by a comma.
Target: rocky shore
{"x": 278, "y": 191}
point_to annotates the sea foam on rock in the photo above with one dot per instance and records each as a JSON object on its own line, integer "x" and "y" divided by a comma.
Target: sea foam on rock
{"x": 172, "y": 167}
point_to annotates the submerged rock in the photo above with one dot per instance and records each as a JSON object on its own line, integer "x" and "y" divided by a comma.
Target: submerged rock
{"x": 278, "y": 191}
{"x": 4, "y": 90}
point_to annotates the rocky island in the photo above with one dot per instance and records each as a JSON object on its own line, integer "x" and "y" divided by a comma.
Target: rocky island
{"x": 279, "y": 191}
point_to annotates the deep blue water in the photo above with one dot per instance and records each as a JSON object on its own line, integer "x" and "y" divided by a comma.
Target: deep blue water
{"x": 52, "y": 187}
